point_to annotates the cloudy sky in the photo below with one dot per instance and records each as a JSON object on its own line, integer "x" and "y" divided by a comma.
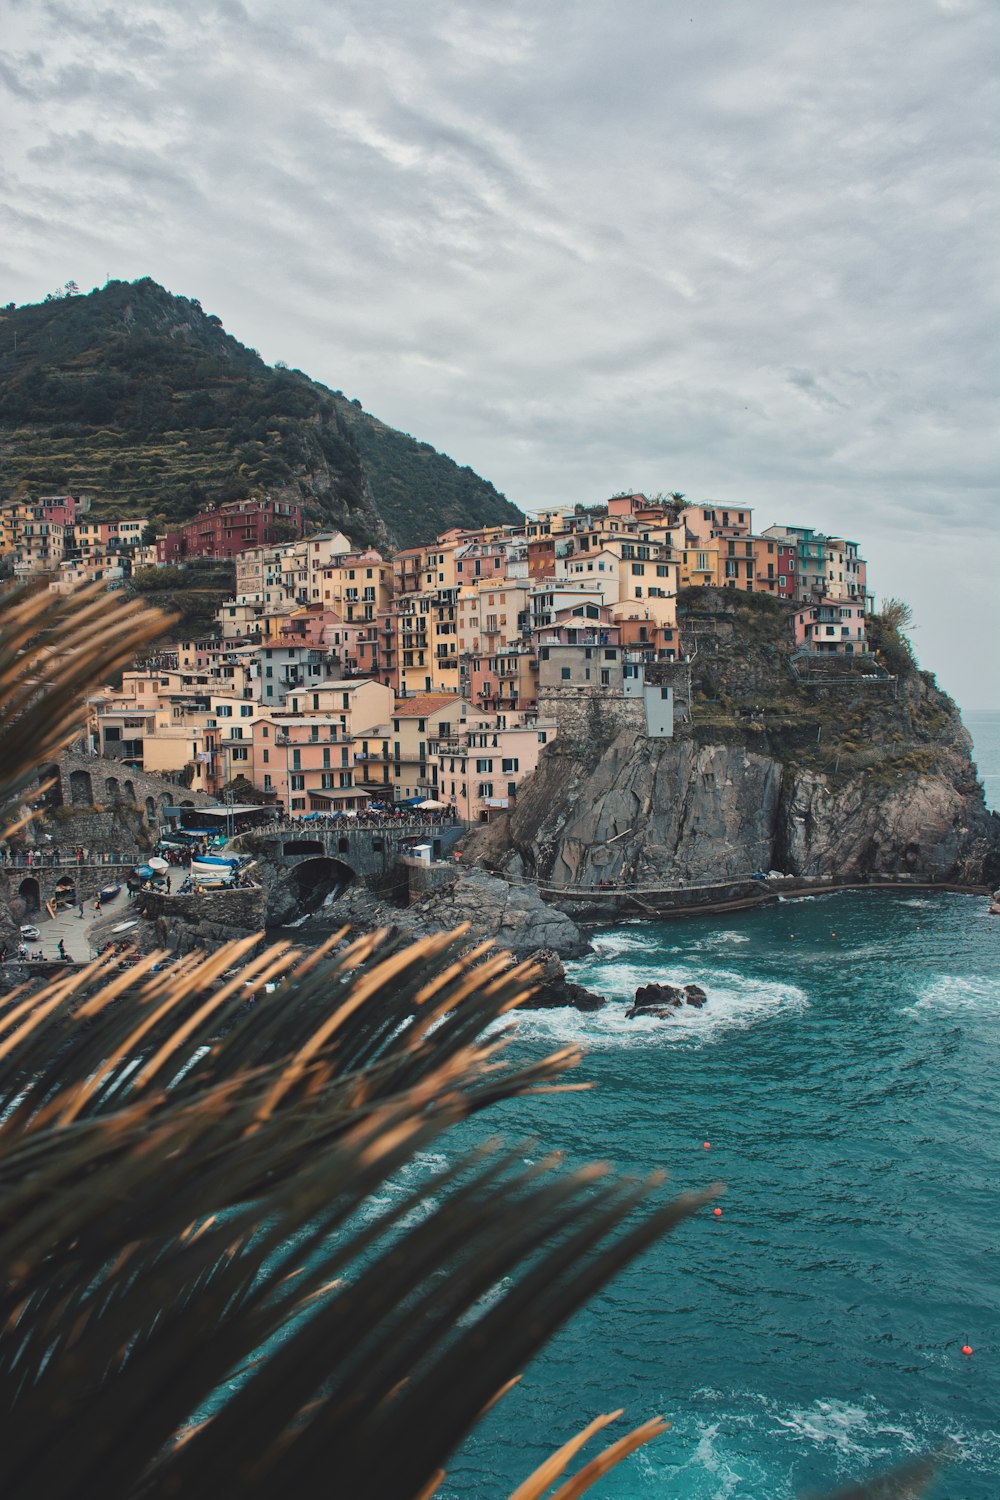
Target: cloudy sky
{"x": 746, "y": 249}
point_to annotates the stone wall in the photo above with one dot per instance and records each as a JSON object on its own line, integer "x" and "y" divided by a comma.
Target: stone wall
{"x": 99, "y": 804}
{"x": 111, "y": 781}
{"x": 192, "y": 921}
{"x": 591, "y": 716}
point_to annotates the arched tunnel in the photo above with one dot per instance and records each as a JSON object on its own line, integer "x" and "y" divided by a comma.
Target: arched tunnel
{"x": 313, "y": 880}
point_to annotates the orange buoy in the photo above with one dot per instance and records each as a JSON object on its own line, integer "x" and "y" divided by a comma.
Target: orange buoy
{"x": 707, "y": 1145}
{"x": 718, "y": 1214}
{"x": 966, "y": 1348}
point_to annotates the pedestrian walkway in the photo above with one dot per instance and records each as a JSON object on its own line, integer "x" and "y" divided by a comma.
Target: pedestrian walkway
{"x": 74, "y": 931}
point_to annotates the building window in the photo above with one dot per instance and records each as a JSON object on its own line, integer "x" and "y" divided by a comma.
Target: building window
{"x": 298, "y": 783}
{"x": 565, "y": 674}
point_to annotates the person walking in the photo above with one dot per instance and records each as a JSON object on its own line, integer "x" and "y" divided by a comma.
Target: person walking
{"x": 62, "y": 949}
{"x": 79, "y": 910}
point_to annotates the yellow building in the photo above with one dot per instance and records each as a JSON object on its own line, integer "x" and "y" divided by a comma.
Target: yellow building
{"x": 418, "y": 725}
{"x": 357, "y": 585}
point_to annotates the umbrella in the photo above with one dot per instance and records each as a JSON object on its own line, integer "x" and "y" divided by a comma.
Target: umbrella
{"x": 430, "y": 805}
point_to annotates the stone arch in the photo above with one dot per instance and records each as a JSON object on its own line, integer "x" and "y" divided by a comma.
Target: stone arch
{"x": 81, "y": 789}
{"x": 187, "y": 802}
{"x": 53, "y": 793}
{"x": 313, "y": 880}
{"x": 30, "y": 893}
{"x": 129, "y": 789}
{"x": 66, "y": 891}
{"x": 151, "y": 811}
{"x": 304, "y": 846}
{"x": 112, "y": 789}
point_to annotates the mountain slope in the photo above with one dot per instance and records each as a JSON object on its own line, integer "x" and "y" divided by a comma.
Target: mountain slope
{"x": 142, "y": 400}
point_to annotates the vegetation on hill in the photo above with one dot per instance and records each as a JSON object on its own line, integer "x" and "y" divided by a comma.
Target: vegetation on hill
{"x": 141, "y": 400}
{"x": 837, "y": 714}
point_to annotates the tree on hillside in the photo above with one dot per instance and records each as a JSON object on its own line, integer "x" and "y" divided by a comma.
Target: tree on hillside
{"x": 896, "y": 615}
{"x": 888, "y": 639}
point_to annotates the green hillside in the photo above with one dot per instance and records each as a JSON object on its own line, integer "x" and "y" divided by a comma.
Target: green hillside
{"x": 141, "y": 400}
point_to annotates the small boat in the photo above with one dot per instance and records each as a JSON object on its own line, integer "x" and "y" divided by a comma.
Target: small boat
{"x": 109, "y": 892}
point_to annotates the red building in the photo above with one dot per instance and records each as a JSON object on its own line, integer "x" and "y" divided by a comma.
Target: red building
{"x": 786, "y": 569}
{"x": 231, "y": 529}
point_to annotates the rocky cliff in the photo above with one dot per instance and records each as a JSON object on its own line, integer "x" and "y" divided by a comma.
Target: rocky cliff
{"x": 829, "y": 769}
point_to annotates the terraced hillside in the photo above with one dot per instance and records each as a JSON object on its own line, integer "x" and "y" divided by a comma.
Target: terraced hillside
{"x": 142, "y": 400}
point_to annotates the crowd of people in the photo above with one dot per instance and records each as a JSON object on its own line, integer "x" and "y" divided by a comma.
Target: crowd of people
{"x": 372, "y": 818}
{"x": 21, "y": 857}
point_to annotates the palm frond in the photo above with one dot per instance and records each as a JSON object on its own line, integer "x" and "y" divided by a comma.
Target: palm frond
{"x": 52, "y": 650}
{"x": 229, "y": 1266}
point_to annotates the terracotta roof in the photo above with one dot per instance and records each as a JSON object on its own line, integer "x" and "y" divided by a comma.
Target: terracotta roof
{"x": 426, "y": 703}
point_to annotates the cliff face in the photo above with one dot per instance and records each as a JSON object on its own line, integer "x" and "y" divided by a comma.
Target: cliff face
{"x": 848, "y": 778}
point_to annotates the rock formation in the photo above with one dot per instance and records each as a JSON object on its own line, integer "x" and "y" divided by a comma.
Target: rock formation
{"x": 661, "y": 1000}
{"x": 849, "y": 777}
{"x": 514, "y": 917}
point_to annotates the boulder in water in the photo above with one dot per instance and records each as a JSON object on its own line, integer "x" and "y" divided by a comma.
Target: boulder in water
{"x": 661, "y": 1000}
{"x": 555, "y": 990}
{"x": 656, "y": 1000}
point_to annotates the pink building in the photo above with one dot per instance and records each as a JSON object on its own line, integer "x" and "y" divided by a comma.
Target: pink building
{"x": 479, "y": 769}
{"x": 306, "y": 763}
{"x": 831, "y": 627}
{"x": 505, "y": 680}
{"x": 480, "y": 560}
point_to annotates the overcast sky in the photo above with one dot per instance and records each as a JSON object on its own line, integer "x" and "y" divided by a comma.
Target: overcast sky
{"x": 746, "y": 249}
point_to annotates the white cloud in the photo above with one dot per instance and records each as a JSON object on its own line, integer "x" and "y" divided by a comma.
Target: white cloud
{"x": 742, "y": 249}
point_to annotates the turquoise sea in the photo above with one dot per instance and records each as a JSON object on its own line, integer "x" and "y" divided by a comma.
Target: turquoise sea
{"x": 845, "y": 1072}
